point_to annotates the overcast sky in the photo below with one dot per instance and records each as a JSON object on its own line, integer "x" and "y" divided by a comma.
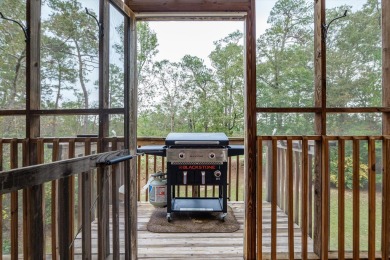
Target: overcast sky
{"x": 196, "y": 38}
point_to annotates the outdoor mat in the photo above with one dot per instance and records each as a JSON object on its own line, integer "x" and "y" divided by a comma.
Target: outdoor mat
{"x": 192, "y": 222}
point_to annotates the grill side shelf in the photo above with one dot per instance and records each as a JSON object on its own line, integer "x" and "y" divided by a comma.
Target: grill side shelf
{"x": 159, "y": 150}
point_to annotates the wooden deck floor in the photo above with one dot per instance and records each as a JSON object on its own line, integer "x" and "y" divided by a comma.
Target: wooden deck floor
{"x": 201, "y": 245}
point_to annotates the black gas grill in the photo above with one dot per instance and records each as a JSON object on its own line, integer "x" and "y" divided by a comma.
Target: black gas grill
{"x": 196, "y": 159}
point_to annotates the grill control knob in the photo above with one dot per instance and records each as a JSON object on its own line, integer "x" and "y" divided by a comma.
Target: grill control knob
{"x": 182, "y": 155}
{"x": 211, "y": 155}
{"x": 217, "y": 173}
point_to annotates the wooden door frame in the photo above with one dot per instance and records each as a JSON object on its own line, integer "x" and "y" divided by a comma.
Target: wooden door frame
{"x": 212, "y": 10}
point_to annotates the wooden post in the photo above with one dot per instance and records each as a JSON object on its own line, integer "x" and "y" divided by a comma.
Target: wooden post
{"x": 320, "y": 118}
{"x": 251, "y": 133}
{"x": 34, "y": 195}
{"x": 130, "y": 131}
{"x": 386, "y": 127}
{"x": 104, "y": 84}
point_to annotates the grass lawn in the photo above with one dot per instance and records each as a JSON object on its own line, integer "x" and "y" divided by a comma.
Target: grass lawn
{"x": 349, "y": 217}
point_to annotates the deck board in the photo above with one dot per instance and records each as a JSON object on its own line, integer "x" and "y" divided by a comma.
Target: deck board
{"x": 201, "y": 245}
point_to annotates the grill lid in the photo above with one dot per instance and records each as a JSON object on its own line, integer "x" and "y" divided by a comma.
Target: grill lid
{"x": 197, "y": 139}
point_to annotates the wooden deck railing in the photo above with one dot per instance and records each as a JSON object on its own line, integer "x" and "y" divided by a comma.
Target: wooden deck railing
{"x": 79, "y": 191}
{"x": 78, "y": 186}
{"x": 286, "y": 174}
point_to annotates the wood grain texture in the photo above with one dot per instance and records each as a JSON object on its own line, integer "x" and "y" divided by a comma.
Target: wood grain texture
{"x": 356, "y": 199}
{"x": 199, "y": 246}
{"x": 115, "y": 206}
{"x": 103, "y": 214}
{"x": 385, "y": 247}
{"x": 34, "y": 195}
{"x": 25, "y": 177}
{"x": 274, "y": 198}
{"x": 86, "y": 197}
{"x": 371, "y": 198}
{"x": 320, "y": 117}
{"x": 131, "y": 98}
{"x": 290, "y": 191}
{"x": 304, "y": 197}
{"x": 139, "y": 6}
{"x": 250, "y": 130}
{"x": 386, "y": 66}
{"x": 123, "y": 8}
{"x": 1, "y": 202}
{"x": 14, "y": 203}
{"x": 341, "y": 198}
{"x": 259, "y": 199}
{"x": 325, "y": 200}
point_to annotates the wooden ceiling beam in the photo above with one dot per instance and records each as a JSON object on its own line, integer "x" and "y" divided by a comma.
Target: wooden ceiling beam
{"x": 139, "y": 6}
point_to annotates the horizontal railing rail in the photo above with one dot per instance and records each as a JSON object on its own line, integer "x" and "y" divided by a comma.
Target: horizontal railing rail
{"x": 70, "y": 185}
{"x": 289, "y": 169}
{"x": 78, "y": 184}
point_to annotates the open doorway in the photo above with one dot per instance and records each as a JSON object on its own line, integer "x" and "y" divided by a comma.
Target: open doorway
{"x": 190, "y": 79}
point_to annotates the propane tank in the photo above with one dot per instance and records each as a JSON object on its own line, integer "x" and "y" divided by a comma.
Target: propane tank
{"x": 157, "y": 186}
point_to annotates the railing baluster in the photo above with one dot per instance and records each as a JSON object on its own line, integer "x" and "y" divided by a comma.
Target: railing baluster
{"x": 259, "y": 198}
{"x": 102, "y": 209}
{"x": 386, "y": 199}
{"x": 25, "y": 208}
{"x": 72, "y": 148}
{"x": 163, "y": 164}
{"x": 14, "y": 202}
{"x": 230, "y": 178}
{"x": 274, "y": 197}
{"x": 355, "y": 198}
{"x": 86, "y": 184}
{"x": 371, "y": 198}
{"x": 280, "y": 178}
{"x": 237, "y": 176}
{"x": 1, "y": 202}
{"x": 304, "y": 197}
{"x": 66, "y": 211}
{"x": 310, "y": 209}
{"x": 290, "y": 187}
{"x": 325, "y": 199}
{"x": 139, "y": 178}
{"x": 341, "y": 198}
{"x": 297, "y": 182}
{"x": 115, "y": 204}
{"x": 54, "y": 224}
{"x": 146, "y": 176}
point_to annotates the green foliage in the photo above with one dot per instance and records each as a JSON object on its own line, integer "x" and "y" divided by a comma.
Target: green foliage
{"x": 363, "y": 174}
{"x": 189, "y": 95}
